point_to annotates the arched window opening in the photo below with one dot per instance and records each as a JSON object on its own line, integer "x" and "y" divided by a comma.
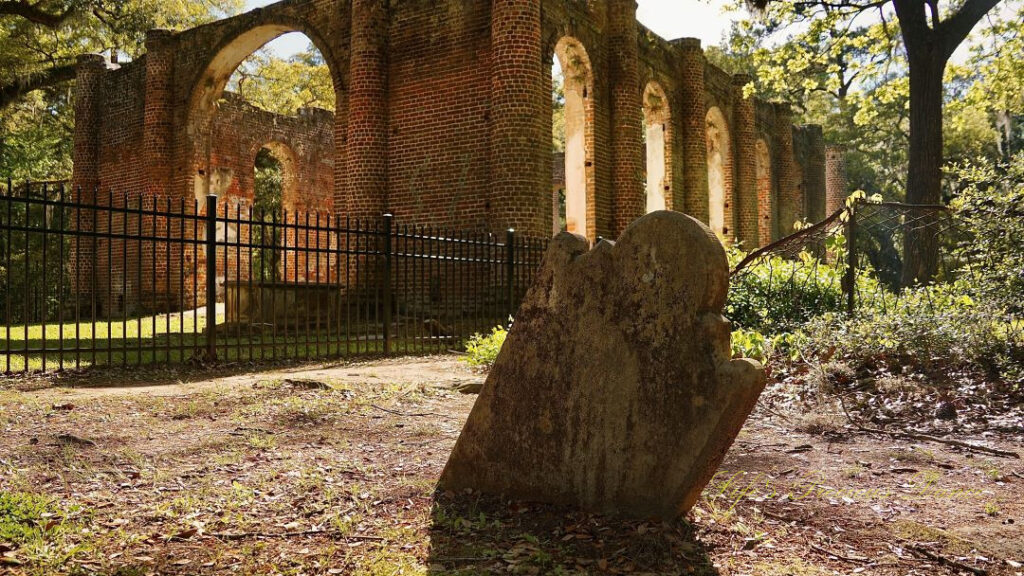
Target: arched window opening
{"x": 269, "y": 84}
{"x": 656, "y": 136}
{"x": 268, "y": 193}
{"x": 719, "y": 155}
{"x": 572, "y": 132}
{"x": 764, "y": 192}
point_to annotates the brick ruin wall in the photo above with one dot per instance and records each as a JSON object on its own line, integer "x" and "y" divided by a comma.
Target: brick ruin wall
{"x": 443, "y": 119}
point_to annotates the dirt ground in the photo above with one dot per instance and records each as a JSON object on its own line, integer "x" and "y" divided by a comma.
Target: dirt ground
{"x": 331, "y": 470}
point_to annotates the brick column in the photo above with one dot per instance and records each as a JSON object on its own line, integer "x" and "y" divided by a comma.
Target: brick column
{"x": 814, "y": 175}
{"x": 520, "y": 188}
{"x": 88, "y": 78}
{"x": 85, "y": 177}
{"x": 367, "y": 142}
{"x": 158, "y": 117}
{"x": 693, "y": 124}
{"x": 790, "y": 201}
{"x": 835, "y": 178}
{"x": 627, "y": 115}
{"x": 745, "y": 157}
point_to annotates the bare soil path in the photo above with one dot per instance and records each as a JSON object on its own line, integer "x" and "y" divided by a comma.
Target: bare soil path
{"x": 330, "y": 469}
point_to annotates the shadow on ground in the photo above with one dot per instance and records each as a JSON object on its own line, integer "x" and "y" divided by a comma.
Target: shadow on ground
{"x": 476, "y": 534}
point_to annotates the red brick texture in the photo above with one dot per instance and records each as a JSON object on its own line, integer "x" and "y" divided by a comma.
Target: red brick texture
{"x": 627, "y": 115}
{"x": 366, "y": 159}
{"x": 519, "y": 138}
{"x": 836, "y": 184}
{"x": 693, "y": 132}
{"x": 746, "y": 211}
{"x": 790, "y": 197}
{"x": 443, "y": 118}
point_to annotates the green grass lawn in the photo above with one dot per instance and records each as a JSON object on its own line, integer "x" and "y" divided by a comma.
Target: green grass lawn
{"x": 178, "y": 338}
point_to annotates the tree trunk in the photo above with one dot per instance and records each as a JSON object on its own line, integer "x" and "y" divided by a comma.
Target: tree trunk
{"x": 924, "y": 176}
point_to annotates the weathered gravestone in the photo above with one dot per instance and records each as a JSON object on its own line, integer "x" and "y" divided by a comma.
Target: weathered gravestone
{"x": 615, "y": 390}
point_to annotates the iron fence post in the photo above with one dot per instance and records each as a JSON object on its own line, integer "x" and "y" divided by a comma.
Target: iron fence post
{"x": 211, "y": 277}
{"x": 510, "y": 269}
{"x": 388, "y": 228}
{"x": 850, "y": 280}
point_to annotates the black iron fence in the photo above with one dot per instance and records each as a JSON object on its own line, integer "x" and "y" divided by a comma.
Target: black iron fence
{"x": 134, "y": 280}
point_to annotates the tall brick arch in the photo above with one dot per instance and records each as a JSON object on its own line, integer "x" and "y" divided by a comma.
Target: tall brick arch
{"x": 221, "y": 48}
{"x": 659, "y": 132}
{"x": 720, "y": 172}
{"x": 578, "y": 76}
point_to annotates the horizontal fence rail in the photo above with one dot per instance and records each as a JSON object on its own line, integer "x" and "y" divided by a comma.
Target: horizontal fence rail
{"x": 135, "y": 280}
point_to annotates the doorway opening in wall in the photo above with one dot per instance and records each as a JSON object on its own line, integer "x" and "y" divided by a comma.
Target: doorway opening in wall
{"x": 572, "y": 137}
{"x": 656, "y": 136}
{"x": 261, "y": 136}
{"x": 268, "y": 189}
{"x": 719, "y": 155}
{"x": 269, "y": 84}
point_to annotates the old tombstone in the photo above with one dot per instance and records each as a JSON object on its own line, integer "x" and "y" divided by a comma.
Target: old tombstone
{"x": 615, "y": 390}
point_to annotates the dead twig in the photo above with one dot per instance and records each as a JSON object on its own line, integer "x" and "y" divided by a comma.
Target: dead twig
{"x": 851, "y": 559}
{"x": 943, "y": 561}
{"x": 406, "y": 414}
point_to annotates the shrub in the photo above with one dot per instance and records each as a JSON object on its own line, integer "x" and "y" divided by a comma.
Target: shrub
{"x": 990, "y": 208}
{"x": 482, "y": 349}
{"x": 939, "y": 326}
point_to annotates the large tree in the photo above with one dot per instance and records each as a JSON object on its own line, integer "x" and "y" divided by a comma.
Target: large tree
{"x": 931, "y": 32}
{"x": 39, "y": 39}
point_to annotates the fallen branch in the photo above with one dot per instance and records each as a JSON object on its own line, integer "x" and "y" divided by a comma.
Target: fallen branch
{"x": 333, "y": 534}
{"x": 851, "y": 559}
{"x": 925, "y": 437}
{"x": 943, "y": 561}
{"x": 406, "y": 414}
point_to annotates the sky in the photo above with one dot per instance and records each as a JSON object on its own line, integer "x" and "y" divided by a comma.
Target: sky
{"x": 668, "y": 18}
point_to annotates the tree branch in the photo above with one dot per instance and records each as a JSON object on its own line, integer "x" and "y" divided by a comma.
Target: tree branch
{"x": 22, "y": 86}
{"x": 956, "y": 28}
{"x": 33, "y": 13}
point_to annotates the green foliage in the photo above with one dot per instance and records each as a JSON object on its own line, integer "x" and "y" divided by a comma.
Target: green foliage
{"x": 991, "y": 208}
{"x": 558, "y": 112}
{"x": 26, "y": 518}
{"x": 482, "y": 349}
{"x": 938, "y": 326}
{"x": 284, "y": 85}
{"x": 268, "y": 188}
{"x": 36, "y": 136}
{"x": 779, "y": 295}
{"x": 36, "y": 129}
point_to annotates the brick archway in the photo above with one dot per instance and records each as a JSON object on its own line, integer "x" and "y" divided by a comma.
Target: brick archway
{"x": 579, "y": 136}
{"x": 719, "y": 159}
{"x": 658, "y": 130}
{"x": 201, "y": 172}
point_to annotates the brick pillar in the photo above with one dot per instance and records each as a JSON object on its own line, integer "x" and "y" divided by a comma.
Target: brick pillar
{"x": 158, "y": 117}
{"x": 161, "y": 272}
{"x": 790, "y": 200}
{"x": 814, "y": 175}
{"x": 520, "y": 175}
{"x": 745, "y": 155}
{"x": 835, "y": 178}
{"x": 88, "y": 78}
{"x": 85, "y": 176}
{"x": 693, "y": 124}
{"x": 627, "y": 114}
{"x": 367, "y": 143}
